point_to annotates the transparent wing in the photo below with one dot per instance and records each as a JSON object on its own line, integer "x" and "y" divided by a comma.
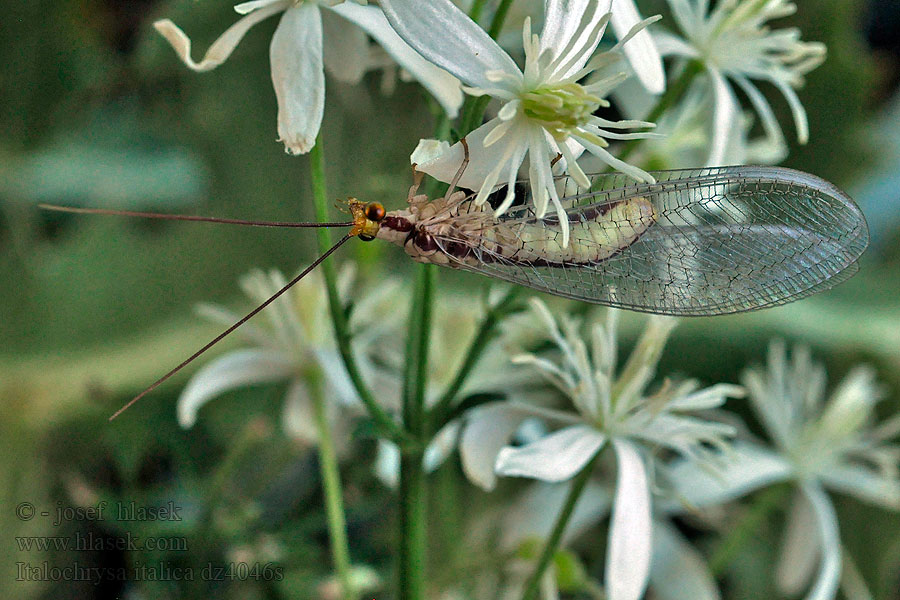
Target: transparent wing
{"x": 725, "y": 240}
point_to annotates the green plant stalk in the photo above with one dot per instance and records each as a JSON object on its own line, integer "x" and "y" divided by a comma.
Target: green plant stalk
{"x": 438, "y": 414}
{"x": 331, "y": 484}
{"x": 412, "y": 542}
{"x": 748, "y": 527}
{"x": 532, "y": 586}
{"x": 338, "y": 317}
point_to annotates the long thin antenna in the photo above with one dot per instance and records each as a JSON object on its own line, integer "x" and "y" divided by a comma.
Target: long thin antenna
{"x": 219, "y": 337}
{"x": 169, "y": 217}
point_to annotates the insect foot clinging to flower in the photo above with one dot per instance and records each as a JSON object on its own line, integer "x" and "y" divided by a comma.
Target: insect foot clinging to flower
{"x": 546, "y": 112}
{"x": 310, "y": 33}
{"x": 609, "y": 409}
{"x": 817, "y": 443}
{"x": 733, "y": 42}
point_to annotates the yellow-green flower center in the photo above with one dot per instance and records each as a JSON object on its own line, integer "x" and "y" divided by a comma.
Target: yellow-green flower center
{"x": 560, "y": 109}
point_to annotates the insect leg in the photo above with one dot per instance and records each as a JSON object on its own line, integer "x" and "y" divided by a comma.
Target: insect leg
{"x": 462, "y": 168}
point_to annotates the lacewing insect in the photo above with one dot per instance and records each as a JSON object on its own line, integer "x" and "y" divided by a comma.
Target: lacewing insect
{"x": 698, "y": 242}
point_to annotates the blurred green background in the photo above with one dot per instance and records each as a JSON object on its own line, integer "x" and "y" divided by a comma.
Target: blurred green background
{"x": 97, "y": 111}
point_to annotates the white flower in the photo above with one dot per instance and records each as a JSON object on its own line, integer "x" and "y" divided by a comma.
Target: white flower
{"x": 299, "y": 49}
{"x": 546, "y": 111}
{"x": 608, "y": 409}
{"x": 819, "y": 444}
{"x": 685, "y": 134}
{"x": 455, "y": 322}
{"x": 734, "y": 43}
{"x": 295, "y": 344}
{"x": 677, "y": 570}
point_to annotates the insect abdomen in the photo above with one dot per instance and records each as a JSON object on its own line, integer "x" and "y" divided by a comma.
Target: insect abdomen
{"x": 595, "y": 234}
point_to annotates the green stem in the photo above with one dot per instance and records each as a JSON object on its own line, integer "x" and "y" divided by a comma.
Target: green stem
{"x": 673, "y": 93}
{"x": 338, "y": 316}
{"x": 411, "y": 565}
{"x": 748, "y": 527}
{"x": 412, "y": 542}
{"x": 331, "y": 484}
{"x": 477, "y": 9}
{"x": 438, "y": 414}
{"x": 532, "y": 586}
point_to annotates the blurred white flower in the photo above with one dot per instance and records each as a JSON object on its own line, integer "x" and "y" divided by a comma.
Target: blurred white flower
{"x": 455, "y": 322}
{"x": 818, "y": 444}
{"x": 299, "y": 48}
{"x": 294, "y": 344}
{"x": 546, "y": 111}
{"x": 608, "y": 409}
{"x": 685, "y": 132}
{"x": 734, "y": 42}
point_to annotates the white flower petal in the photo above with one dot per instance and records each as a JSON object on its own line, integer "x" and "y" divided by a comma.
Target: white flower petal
{"x": 557, "y": 457}
{"x": 764, "y": 110}
{"x": 799, "y": 549}
{"x": 725, "y": 112}
{"x": 668, "y": 44}
{"x": 298, "y": 419}
{"x": 640, "y": 50}
{"x": 563, "y": 22}
{"x": 442, "y": 85}
{"x": 488, "y": 429}
{"x": 444, "y": 35}
{"x": 248, "y": 7}
{"x": 829, "y": 575}
{"x": 678, "y": 571}
{"x": 345, "y": 47}
{"x": 746, "y": 467}
{"x": 533, "y": 514}
{"x": 222, "y": 48}
{"x": 296, "y": 56}
{"x": 630, "y": 532}
{"x": 800, "y": 120}
{"x": 442, "y": 444}
{"x": 482, "y": 161}
{"x": 864, "y": 484}
{"x": 235, "y": 369}
{"x": 387, "y": 463}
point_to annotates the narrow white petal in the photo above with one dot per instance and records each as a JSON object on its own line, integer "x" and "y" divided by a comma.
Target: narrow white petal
{"x": 668, "y": 44}
{"x": 222, "y": 48}
{"x": 630, "y": 532}
{"x": 724, "y": 115}
{"x": 296, "y": 56}
{"x": 488, "y": 429}
{"x": 563, "y": 31}
{"x": 245, "y": 8}
{"x": 298, "y": 418}
{"x": 797, "y": 109}
{"x": 557, "y": 457}
{"x": 482, "y": 161}
{"x": 387, "y": 463}
{"x": 640, "y": 50}
{"x": 863, "y": 483}
{"x": 442, "y": 85}
{"x": 799, "y": 549}
{"x": 444, "y": 35}
{"x": 235, "y": 369}
{"x": 764, "y": 110}
{"x": 829, "y": 575}
{"x": 440, "y": 447}
{"x": 678, "y": 571}
{"x": 345, "y": 47}
{"x": 745, "y": 468}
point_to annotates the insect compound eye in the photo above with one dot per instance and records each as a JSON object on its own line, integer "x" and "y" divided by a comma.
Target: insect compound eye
{"x": 366, "y": 237}
{"x": 374, "y": 211}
